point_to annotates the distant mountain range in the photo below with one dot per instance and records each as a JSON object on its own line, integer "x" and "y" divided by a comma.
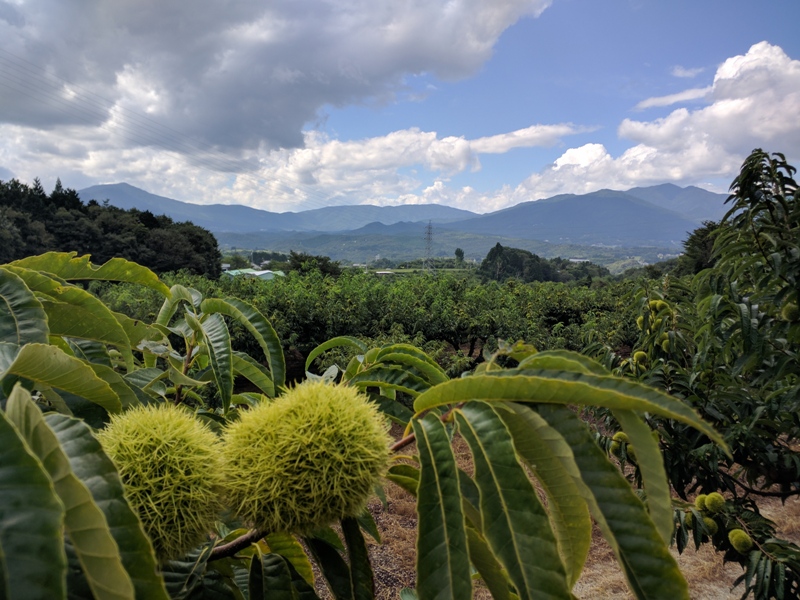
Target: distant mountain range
{"x": 658, "y": 217}
{"x": 234, "y": 218}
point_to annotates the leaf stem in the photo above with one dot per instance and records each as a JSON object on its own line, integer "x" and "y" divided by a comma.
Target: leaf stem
{"x": 240, "y": 543}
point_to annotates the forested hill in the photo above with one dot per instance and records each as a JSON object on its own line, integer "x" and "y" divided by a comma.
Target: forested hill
{"x": 33, "y": 222}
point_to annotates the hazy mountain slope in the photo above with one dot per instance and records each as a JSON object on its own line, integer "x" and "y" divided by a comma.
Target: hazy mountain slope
{"x": 692, "y": 202}
{"x": 234, "y": 218}
{"x": 214, "y": 217}
{"x": 605, "y": 217}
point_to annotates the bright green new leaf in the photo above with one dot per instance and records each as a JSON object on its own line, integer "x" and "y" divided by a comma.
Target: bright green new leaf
{"x": 563, "y": 387}
{"x": 66, "y": 266}
{"x": 42, "y": 363}
{"x": 259, "y": 327}
{"x": 32, "y": 559}
{"x": 22, "y": 318}
{"x": 84, "y": 522}
{"x": 442, "y": 556}
{"x": 651, "y": 466}
{"x": 91, "y": 465}
{"x": 515, "y": 523}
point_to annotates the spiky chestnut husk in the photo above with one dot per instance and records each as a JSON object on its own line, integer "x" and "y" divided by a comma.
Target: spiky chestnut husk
{"x": 640, "y": 322}
{"x": 740, "y": 541}
{"x": 711, "y": 525}
{"x": 169, "y": 466}
{"x": 689, "y": 520}
{"x": 700, "y": 502}
{"x": 640, "y": 358}
{"x": 715, "y": 502}
{"x": 305, "y": 460}
{"x": 790, "y": 312}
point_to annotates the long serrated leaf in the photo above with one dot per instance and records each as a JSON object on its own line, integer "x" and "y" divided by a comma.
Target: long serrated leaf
{"x": 651, "y": 467}
{"x": 549, "y": 456}
{"x": 42, "y": 363}
{"x": 117, "y": 382}
{"x": 22, "y": 318}
{"x": 177, "y": 294}
{"x": 74, "y": 312}
{"x": 182, "y": 577}
{"x": 259, "y": 327}
{"x": 442, "y": 556}
{"x": 515, "y": 523}
{"x": 337, "y": 342}
{"x": 67, "y": 266}
{"x": 362, "y": 578}
{"x": 289, "y": 548}
{"x": 563, "y": 360}
{"x": 31, "y": 520}
{"x": 413, "y": 356}
{"x": 218, "y": 344}
{"x": 91, "y": 465}
{"x": 334, "y": 568}
{"x": 482, "y": 558}
{"x": 564, "y": 387}
{"x": 392, "y": 377}
{"x": 84, "y": 522}
{"x": 254, "y": 372}
{"x": 392, "y": 409}
{"x": 270, "y": 578}
{"x": 649, "y": 567}
{"x": 406, "y": 476}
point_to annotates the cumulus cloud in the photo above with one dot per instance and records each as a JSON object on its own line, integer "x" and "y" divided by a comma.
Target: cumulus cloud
{"x": 752, "y": 103}
{"x": 233, "y": 75}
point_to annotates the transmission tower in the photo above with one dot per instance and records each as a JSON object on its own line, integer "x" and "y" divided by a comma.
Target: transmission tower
{"x": 427, "y": 265}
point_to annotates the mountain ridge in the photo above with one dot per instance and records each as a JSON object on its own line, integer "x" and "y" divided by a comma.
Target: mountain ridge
{"x": 657, "y": 216}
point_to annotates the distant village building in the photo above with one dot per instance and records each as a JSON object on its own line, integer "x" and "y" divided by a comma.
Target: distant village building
{"x": 258, "y": 274}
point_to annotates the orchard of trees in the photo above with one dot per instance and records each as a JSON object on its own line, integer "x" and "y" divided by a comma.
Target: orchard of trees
{"x": 165, "y": 416}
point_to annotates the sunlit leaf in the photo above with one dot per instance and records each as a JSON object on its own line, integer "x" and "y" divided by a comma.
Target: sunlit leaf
{"x": 84, "y": 522}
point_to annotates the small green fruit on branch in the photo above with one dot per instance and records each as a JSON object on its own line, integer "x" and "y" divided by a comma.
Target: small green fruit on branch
{"x": 306, "y": 459}
{"x": 169, "y": 466}
{"x": 740, "y": 541}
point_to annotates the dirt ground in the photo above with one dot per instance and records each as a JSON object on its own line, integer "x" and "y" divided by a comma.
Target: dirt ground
{"x": 708, "y": 577}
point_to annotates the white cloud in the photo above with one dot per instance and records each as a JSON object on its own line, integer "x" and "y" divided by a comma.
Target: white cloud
{"x": 693, "y": 94}
{"x": 752, "y": 103}
{"x": 233, "y": 75}
{"x": 679, "y": 71}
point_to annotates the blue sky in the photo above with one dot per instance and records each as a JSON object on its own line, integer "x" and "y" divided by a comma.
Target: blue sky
{"x": 471, "y": 103}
